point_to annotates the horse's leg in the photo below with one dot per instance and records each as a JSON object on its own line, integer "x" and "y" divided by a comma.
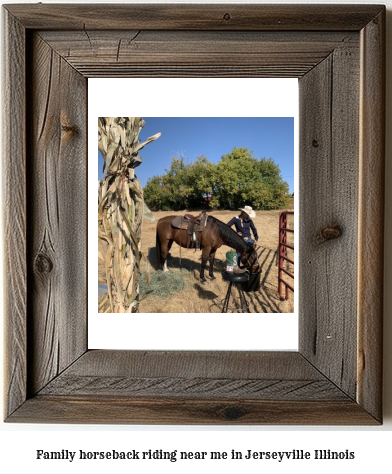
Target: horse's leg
{"x": 169, "y": 245}
{"x": 211, "y": 259}
{"x": 165, "y": 248}
{"x": 204, "y": 257}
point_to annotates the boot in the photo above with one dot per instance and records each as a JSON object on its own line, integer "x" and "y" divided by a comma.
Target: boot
{"x": 237, "y": 269}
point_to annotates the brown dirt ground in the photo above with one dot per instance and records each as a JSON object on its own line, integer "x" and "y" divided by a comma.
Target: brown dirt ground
{"x": 207, "y": 297}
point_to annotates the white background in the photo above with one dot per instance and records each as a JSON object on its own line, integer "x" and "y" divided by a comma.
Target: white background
{"x": 18, "y": 443}
{"x": 201, "y": 331}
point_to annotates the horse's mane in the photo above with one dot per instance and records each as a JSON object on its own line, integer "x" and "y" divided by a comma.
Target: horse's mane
{"x": 228, "y": 235}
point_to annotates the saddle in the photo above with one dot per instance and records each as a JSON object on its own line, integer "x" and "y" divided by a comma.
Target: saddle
{"x": 191, "y": 223}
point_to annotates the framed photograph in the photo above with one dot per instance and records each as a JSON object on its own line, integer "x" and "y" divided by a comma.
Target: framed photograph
{"x": 337, "y": 53}
{"x": 259, "y": 131}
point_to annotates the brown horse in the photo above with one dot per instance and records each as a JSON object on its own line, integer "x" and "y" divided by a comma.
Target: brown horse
{"x": 214, "y": 235}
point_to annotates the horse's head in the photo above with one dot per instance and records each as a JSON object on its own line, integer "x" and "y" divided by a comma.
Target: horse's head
{"x": 249, "y": 258}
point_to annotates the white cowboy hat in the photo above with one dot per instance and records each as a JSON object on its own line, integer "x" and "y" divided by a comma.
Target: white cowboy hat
{"x": 251, "y": 213}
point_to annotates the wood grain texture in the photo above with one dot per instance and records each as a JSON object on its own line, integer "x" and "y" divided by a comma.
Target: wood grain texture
{"x": 336, "y": 376}
{"x": 208, "y": 364}
{"x": 57, "y": 215}
{"x": 193, "y": 17}
{"x": 371, "y": 216}
{"x": 193, "y": 387}
{"x": 94, "y": 409}
{"x": 205, "y": 374}
{"x": 128, "y": 53}
{"x": 329, "y": 167}
{"x": 14, "y": 212}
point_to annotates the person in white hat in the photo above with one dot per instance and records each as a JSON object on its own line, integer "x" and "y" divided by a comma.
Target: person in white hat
{"x": 244, "y": 224}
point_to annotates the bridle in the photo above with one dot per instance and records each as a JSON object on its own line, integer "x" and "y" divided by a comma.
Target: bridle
{"x": 255, "y": 260}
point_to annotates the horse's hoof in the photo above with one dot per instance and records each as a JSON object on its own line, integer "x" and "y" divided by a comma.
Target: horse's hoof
{"x": 203, "y": 280}
{"x": 212, "y": 277}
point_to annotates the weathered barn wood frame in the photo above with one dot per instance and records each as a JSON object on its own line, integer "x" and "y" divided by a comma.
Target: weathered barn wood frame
{"x": 337, "y": 52}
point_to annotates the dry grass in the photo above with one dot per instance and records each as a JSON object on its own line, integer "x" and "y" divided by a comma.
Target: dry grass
{"x": 207, "y": 298}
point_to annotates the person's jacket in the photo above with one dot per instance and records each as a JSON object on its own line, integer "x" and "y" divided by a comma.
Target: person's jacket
{"x": 244, "y": 227}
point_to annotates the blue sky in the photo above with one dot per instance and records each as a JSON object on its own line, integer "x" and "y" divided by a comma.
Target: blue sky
{"x": 267, "y": 137}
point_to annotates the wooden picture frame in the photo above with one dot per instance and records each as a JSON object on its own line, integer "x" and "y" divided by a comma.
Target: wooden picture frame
{"x": 338, "y": 54}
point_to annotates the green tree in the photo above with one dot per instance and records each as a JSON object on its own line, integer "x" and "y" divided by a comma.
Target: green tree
{"x": 239, "y": 178}
{"x": 154, "y": 194}
{"x": 201, "y": 176}
{"x": 177, "y": 185}
{"x": 182, "y": 187}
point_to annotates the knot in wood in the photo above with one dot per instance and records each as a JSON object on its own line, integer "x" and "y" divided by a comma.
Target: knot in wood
{"x": 68, "y": 128}
{"x": 43, "y": 264}
{"x": 328, "y": 233}
{"x": 233, "y": 413}
{"x": 227, "y": 16}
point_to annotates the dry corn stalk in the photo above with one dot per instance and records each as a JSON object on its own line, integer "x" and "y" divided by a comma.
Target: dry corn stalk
{"x": 120, "y": 210}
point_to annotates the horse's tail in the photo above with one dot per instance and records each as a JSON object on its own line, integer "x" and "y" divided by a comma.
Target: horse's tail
{"x": 158, "y": 250}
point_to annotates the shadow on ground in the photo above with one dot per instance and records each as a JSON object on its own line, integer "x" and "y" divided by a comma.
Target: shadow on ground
{"x": 264, "y": 300}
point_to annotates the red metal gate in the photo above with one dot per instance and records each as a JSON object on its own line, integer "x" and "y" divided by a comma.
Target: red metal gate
{"x": 286, "y": 255}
